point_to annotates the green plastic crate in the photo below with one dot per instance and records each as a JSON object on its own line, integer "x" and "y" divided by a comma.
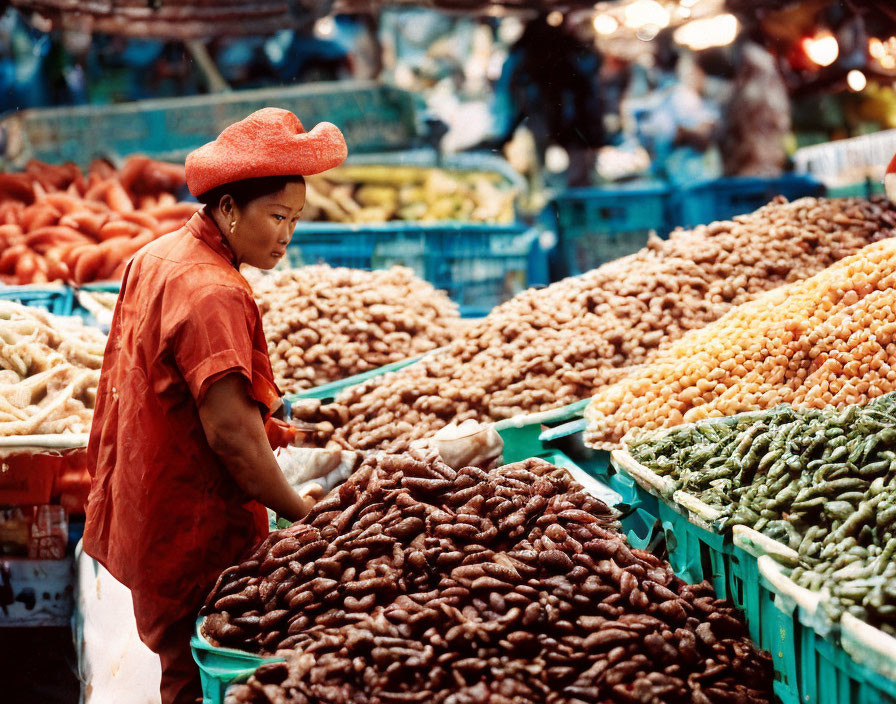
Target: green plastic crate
{"x": 221, "y": 667}
{"x": 694, "y": 552}
{"x": 744, "y": 588}
{"x": 327, "y": 392}
{"x": 593, "y": 485}
{"x": 811, "y": 664}
{"x": 854, "y": 190}
{"x": 831, "y": 676}
{"x": 527, "y": 435}
{"x": 781, "y": 634}
{"x": 640, "y": 511}
{"x": 534, "y": 435}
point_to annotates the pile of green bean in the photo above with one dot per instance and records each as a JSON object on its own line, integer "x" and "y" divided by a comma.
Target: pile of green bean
{"x": 820, "y": 481}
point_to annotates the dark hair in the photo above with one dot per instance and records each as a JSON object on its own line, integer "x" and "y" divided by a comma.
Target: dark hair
{"x": 248, "y": 189}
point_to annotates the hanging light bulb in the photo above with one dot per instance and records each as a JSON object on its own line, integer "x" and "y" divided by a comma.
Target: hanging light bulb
{"x": 555, "y": 18}
{"x": 643, "y": 12}
{"x": 856, "y": 81}
{"x": 556, "y": 159}
{"x": 605, "y": 24}
{"x": 822, "y": 49}
{"x": 325, "y": 27}
{"x": 701, "y": 34}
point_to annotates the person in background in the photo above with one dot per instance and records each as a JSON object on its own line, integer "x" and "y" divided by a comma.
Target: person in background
{"x": 552, "y": 79}
{"x": 180, "y": 447}
{"x": 757, "y": 116}
{"x": 676, "y": 121}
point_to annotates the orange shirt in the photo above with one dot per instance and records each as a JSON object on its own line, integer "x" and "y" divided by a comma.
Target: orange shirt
{"x": 164, "y": 515}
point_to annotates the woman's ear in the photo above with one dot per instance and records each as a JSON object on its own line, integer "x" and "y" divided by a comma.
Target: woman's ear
{"x": 226, "y": 205}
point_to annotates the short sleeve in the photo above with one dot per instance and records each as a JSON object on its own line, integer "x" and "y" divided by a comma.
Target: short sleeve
{"x": 214, "y": 337}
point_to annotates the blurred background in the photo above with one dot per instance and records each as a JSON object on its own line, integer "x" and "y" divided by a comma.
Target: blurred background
{"x": 678, "y": 91}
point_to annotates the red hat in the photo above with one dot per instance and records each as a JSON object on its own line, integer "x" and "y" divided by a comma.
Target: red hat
{"x": 270, "y": 142}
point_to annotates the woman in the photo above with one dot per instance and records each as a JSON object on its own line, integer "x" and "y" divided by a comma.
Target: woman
{"x": 180, "y": 447}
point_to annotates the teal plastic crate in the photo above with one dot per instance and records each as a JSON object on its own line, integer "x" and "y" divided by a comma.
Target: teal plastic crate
{"x": 811, "y": 663}
{"x": 744, "y": 589}
{"x": 871, "y": 667}
{"x": 831, "y": 676}
{"x": 97, "y": 287}
{"x": 102, "y": 286}
{"x": 695, "y": 553}
{"x": 533, "y": 435}
{"x": 327, "y": 392}
{"x": 781, "y": 634}
{"x": 867, "y": 189}
{"x": 537, "y": 434}
{"x": 640, "y": 511}
{"x": 477, "y": 265}
{"x": 528, "y": 435}
{"x": 221, "y": 667}
{"x": 723, "y": 198}
{"x": 55, "y": 298}
{"x": 598, "y": 225}
{"x": 854, "y": 190}
{"x": 372, "y": 116}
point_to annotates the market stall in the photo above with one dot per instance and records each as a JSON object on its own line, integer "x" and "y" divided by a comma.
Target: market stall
{"x": 636, "y": 446}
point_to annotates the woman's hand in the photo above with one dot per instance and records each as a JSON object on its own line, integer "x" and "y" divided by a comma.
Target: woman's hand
{"x": 235, "y": 431}
{"x": 311, "y": 494}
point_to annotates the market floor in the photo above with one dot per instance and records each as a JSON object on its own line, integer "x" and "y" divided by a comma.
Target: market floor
{"x": 37, "y": 666}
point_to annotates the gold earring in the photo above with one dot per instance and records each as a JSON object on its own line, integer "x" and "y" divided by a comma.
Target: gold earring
{"x": 232, "y": 226}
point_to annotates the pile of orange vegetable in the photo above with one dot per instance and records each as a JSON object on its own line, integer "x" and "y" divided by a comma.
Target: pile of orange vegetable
{"x": 59, "y": 224}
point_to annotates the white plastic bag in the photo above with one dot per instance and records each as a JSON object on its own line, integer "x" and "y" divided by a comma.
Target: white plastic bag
{"x": 115, "y": 667}
{"x": 303, "y": 466}
{"x": 469, "y": 444}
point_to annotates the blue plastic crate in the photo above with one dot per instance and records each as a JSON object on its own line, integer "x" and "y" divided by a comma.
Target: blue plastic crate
{"x": 479, "y": 266}
{"x": 723, "y": 198}
{"x": 56, "y": 299}
{"x": 96, "y": 287}
{"x": 598, "y": 225}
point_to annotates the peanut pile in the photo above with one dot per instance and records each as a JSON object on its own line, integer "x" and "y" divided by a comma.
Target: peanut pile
{"x": 550, "y": 347}
{"x": 325, "y": 324}
{"x": 828, "y": 340}
{"x": 418, "y": 583}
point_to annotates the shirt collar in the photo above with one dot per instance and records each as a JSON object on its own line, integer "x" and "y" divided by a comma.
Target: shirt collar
{"x": 203, "y": 228}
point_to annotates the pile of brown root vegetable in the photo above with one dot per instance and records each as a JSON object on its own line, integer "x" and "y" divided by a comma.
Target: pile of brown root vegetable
{"x": 324, "y": 324}
{"x": 550, "y": 347}
{"x": 417, "y": 583}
